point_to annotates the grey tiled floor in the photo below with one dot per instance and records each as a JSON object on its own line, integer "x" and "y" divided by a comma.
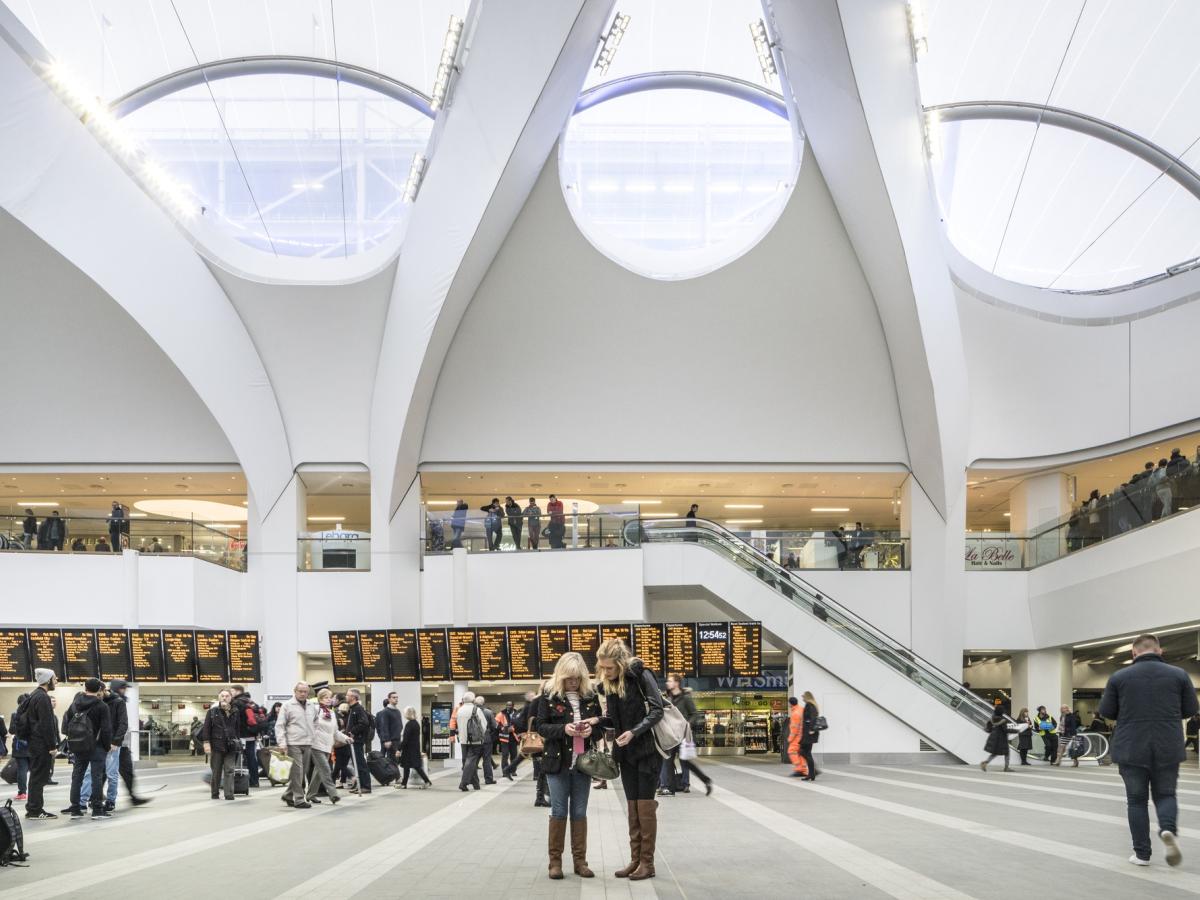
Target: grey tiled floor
{"x": 859, "y": 832}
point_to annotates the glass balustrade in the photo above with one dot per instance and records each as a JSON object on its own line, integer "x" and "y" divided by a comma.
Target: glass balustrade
{"x": 604, "y": 530}
{"x": 101, "y": 534}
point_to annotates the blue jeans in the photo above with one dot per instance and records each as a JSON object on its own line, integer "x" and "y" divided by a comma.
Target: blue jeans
{"x": 1140, "y": 784}
{"x": 569, "y": 792}
{"x": 112, "y": 760}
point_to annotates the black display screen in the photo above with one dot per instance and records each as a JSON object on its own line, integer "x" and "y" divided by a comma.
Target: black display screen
{"x": 648, "y": 644}
{"x": 680, "y": 655}
{"x": 553, "y": 642}
{"x": 212, "y": 657}
{"x": 584, "y": 639}
{"x": 146, "y": 650}
{"x": 373, "y": 648}
{"x": 712, "y": 649}
{"x": 347, "y": 662}
{"x": 493, "y": 653}
{"x": 46, "y": 650}
{"x": 434, "y": 654}
{"x": 245, "y": 665}
{"x": 617, "y": 632}
{"x": 523, "y": 653}
{"x": 112, "y": 646}
{"x": 402, "y": 648}
{"x": 179, "y": 655}
{"x": 14, "y": 655}
{"x": 745, "y": 654}
{"x": 464, "y": 654}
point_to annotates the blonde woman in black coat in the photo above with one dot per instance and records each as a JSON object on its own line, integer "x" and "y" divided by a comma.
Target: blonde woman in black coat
{"x": 410, "y": 748}
{"x": 633, "y": 705}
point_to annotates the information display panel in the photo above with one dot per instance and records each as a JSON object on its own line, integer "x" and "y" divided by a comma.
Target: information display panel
{"x": 245, "y": 666}
{"x": 712, "y": 649}
{"x": 584, "y": 639}
{"x": 146, "y": 650}
{"x": 552, "y": 643}
{"x": 402, "y": 648}
{"x": 14, "y": 655}
{"x": 112, "y": 647}
{"x": 373, "y": 650}
{"x": 434, "y": 654}
{"x": 523, "y": 653}
{"x": 464, "y": 654}
{"x": 745, "y": 649}
{"x": 46, "y": 650}
{"x": 347, "y": 661}
{"x": 80, "y": 661}
{"x": 493, "y": 654}
{"x": 179, "y": 655}
{"x": 212, "y": 657}
{"x": 680, "y": 656}
{"x": 648, "y": 645}
{"x": 618, "y": 632}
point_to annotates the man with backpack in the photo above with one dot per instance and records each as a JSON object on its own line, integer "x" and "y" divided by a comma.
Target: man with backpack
{"x": 89, "y": 735}
{"x": 361, "y": 726}
{"x": 491, "y": 732}
{"x": 253, "y": 723}
{"x": 472, "y": 727}
{"x": 119, "y": 716}
{"x": 35, "y": 723}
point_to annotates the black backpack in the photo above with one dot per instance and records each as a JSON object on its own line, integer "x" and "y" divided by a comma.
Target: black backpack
{"x": 81, "y": 735}
{"x": 12, "y": 839}
{"x": 474, "y": 729}
{"x": 19, "y": 725}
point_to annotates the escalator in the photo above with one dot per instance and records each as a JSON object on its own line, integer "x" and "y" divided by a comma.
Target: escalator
{"x": 914, "y": 690}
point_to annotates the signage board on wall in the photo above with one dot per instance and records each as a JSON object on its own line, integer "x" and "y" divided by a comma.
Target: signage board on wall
{"x": 347, "y": 661}
{"x": 179, "y": 655}
{"x": 402, "y": 648}
{"x": 14, "y": 655}
{"x": 212, "y": 657}
{"x": 80, "y": 660}
{"x": 245, "y": 666}
{"x": 493, "y": 654}
{"x": 434, "y": 654}
{"x": 680, "y": 642}
{"x": 373, "y": 650}
{"x": 464, "y": 654}
{"x": 112, "y": 647}
{"x": 146, "y": 653}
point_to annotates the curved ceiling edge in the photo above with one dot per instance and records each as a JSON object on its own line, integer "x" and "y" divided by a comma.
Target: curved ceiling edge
{"x": 682, "y": 80}
{"x": 1032, "y": 465}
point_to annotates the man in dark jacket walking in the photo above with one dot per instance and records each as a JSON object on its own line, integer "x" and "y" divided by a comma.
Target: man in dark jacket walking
{"x": 358, "y": 724}
{"x": 39, "y": 728}
{"x": 29, "y": 528}
{"x": 119, "y": 717}
{"x": 389, "y": 725}
{"x": 89, "y": 735}
{"x": 252, "y": 724}
{"x": 1149, "y": 699}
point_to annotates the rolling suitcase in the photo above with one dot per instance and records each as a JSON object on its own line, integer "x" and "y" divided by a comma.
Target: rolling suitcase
{"x": 241, "y": 781}
{"x": 382, "y": 769}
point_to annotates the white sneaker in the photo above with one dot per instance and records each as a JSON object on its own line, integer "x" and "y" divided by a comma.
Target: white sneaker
{"x": 1138, "y": 861}
{"x": 1174, "y": 855}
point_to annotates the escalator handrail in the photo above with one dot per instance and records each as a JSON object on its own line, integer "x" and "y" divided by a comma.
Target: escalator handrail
{"x": 703, "y": 525}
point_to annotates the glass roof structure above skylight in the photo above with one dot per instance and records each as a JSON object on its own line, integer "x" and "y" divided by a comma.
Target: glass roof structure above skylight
{"x": 1037, "y": 203}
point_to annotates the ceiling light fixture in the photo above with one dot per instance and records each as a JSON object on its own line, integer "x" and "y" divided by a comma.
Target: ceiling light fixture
{"x": 829, "y": 509}
{"x": 743, "y": 506}
{"x": 416, "y": 175}
{"x": 642, "y": 502}
{"x": 447, "y": 65}
{"x": 1117, "y": 640}
{"x": 39, "y": 504}
{"x": 327, "y": 518}
{"x": 933, "y": 134}
{"x": 610, "y": 42}
{"x": 441, "y": 502}
{"x": 743, "y": 521}
{"x": 762, "y": 49}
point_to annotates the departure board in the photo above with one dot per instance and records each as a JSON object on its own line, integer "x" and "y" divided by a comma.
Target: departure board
{"x": 745, "y": 649}
{"x": 464, "y": 654}
{"x": 402, "y": 648}
{"x": 347, "y": 663}
{"x": 493, "y": 654}
{"x": 179, "y": 655}
{"x": 584, "y": 639}
{"x": 680, "y": 655}
{"x": 523, "y": 653}
{"x": 434, "y": 654}
{"x": 46, "y": 650}
{"x": 212, "y": 657}
{"x": 373, "y": 650}
{"x": 245, "y": 666}
{"x": 647, "y": 645}
{"x": 552, "y": 643}
{"x": 112, "y": 647}
{"x": 14, "y": 655}
{"x": 617, "y": 632}
{"x": 712, "y": 649}
{"x": 79, "y": 654}
{"x": 146, "y": 650}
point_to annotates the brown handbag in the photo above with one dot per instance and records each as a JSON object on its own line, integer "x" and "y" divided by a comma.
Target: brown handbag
{"x": 530, "y": 743}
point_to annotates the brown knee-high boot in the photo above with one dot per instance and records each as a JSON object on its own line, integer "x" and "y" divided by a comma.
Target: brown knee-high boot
{"x": 558, "y": 836}
{"x": 648, "y": 819}
{"x": 635, "y": 840}
{"x": 579, "y": 848}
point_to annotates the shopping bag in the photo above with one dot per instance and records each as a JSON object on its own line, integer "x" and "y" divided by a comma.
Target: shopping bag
{"x": 280, "y": 769}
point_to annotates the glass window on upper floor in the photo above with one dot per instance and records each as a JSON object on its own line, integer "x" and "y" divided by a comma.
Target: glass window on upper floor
{"x": 1037, "y": 203}
{"x": 679, "y": 158}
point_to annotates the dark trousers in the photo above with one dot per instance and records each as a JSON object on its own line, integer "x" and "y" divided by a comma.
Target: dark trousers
{"x": 557, "y": 530}
{"x": 514, "y": 528}
{"x": 1142, "y": 783}
{"x": 638, "y": 783}
{"x": 806, "y": 752}
{"x": 125, "y": 768}
{"x": 470, "y": 770}
{"x": 94, "y": 761}
{"x": 341, "y": 763}
{"x": 493, "y": 536}
{"x": 1024, "y": 757}
{"x": 535, "y": 535}
{"x": 364, "y": 772}
{"x": 489, "y": 773}
{"x": 509, "y": 757}
{"x": 542, "y": 787}
{"x": 22, "y": 774}
{"x": 1051, "y": 742}
{"x": 418, "y": 769}
{"x": 40, "y": 766}
{"x": 250, "y": 760}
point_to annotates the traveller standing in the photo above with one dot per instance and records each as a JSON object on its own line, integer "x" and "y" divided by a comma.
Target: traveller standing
{"x": 1025, "y": 738}
{"x": 491, "y": 524}
{"x": 116, "y": 523}
{"x": 294, "y": 735}
{"x": 1149, "y": 699}
{"x": 1068, "y": 725}
{"x": 1191, "y": 730}
{"x": 324, "y": 730}
{"x": 489, "y": 743}
{"x": 29, "y": 528}
{"x": 513, "y": 510}
{"x": 795, "y": 734}
{"x": 472, "y": 726}
{"x": 458, "y": 521}
{"x": 690, "y": 521}
{"x": 360, "y": 727}
{"x": 633, "y": 706}
{"x": 681, "y": 699}
{"x": 38, "y": 726}
{"x": 997, "y": 740}
{"x": 389, "y": 724}
{"x": 1047, "y": 727}
{"x": 533, "y": 519}
{"x": 222, "y": 735}
{"x": 566, "y": 714}
{"x": 89, "y": 736}
{"x": 20, "y": 751}
{"x": 118, "y": 715}
{"x": 56, "y": 531}
{"x": 810, "y": 734}
{"x": 558, "y": 522}
{"x": 410, "y": 748}
{"x": 251, "y": 725}
{"x": 505, "y": 722}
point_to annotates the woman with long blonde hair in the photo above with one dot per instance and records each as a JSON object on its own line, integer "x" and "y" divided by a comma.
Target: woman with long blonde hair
{"x": 809, "y": 734}
{"x": 633, "y": 705}
{"x": 566, "y": 713}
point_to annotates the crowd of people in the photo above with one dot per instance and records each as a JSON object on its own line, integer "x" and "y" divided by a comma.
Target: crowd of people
{"x": 52, "y": 532}
{"x": 1156, "y": 491}
{"x": 525, "y": 520}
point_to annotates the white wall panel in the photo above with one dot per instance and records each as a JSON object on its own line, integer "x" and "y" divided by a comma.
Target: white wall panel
{"x": 1164, "y": 368}
{"x": 67, "y": 589}
{"x": 565, "y": 356}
